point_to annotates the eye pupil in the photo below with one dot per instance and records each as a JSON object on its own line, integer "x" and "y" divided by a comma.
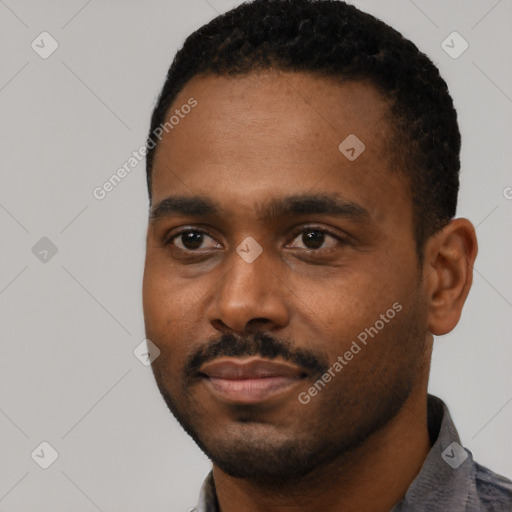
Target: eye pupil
{"x": 192, "y": 239}
{"x": 316, "y": 238}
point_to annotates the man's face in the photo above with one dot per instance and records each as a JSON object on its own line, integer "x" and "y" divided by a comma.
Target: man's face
{"x": 323, "y": 278}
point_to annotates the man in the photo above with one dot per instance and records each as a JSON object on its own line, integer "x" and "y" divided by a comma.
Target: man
{"x": 302, "y": 251}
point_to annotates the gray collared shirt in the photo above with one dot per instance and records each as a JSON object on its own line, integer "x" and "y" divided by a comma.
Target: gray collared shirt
{"x": 449, "y": 480}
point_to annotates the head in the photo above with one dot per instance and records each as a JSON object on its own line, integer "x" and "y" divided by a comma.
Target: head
{"x": 275, "y": 233}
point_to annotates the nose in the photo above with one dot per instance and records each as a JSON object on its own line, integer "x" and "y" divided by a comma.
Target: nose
{"x": 248, "y": 295}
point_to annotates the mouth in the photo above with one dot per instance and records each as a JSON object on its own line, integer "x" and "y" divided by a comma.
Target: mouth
{"x": 250, "y": 380}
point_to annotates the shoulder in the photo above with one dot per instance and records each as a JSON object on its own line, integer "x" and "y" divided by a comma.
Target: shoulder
{"x": 493, "y": 492}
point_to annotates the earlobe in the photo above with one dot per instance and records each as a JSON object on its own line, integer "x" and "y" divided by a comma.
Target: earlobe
{"x": 449, "y": 258}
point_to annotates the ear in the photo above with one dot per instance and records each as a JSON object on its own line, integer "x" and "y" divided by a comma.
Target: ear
{"x": 449, "y": 257}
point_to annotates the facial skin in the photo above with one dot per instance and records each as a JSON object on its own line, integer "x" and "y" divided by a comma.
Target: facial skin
{"x": 261, "y": 138}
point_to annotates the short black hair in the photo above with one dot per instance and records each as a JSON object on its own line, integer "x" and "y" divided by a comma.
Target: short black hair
{"x": 330, "y": 38}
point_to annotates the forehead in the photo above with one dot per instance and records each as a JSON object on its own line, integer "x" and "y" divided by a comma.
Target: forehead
{"x": 273, "y": 132}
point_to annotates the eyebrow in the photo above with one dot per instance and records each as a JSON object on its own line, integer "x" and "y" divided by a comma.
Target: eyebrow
{"x": 293, "y": 205}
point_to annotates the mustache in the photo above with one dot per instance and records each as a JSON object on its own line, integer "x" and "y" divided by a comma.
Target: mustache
{"x": 261, "y": 344}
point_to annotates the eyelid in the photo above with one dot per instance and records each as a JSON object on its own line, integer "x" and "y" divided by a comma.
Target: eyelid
{"x": 321, "y": 229}
{"x": 169, "y": 238}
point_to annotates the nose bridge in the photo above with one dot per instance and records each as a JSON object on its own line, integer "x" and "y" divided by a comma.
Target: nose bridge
{"x": 248, "y": 291}
{"x": 246, "y": 281}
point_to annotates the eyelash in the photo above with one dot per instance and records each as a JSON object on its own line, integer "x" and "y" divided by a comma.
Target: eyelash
{"x": 342, "y": 240}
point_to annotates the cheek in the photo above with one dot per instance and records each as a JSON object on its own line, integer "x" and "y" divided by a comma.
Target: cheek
{"x": 343, "y": 306}
{"x": 162, "y": 314}
{"x": 172, "y": 316}
{"x": 166, "y": 301}
{"x": 154, "y": 301}
{"x": 347, "y": 297}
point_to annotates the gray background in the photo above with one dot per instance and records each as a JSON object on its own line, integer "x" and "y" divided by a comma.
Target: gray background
{"x": 69, "y": 325}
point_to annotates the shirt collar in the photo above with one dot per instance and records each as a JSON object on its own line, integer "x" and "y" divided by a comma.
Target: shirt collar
{"x": 207, "y": 496}
{"x": 442, "y": 483}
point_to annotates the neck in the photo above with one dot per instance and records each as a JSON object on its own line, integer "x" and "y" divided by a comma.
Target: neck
{"x": 373, "y": 477}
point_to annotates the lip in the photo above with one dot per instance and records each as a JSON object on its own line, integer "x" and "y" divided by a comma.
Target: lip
{"x": 250, "y": 380}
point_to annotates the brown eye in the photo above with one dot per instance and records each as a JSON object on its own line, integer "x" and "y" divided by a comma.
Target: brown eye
{"x": 315, "y": 238}
{"x": 190, "y": 240}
